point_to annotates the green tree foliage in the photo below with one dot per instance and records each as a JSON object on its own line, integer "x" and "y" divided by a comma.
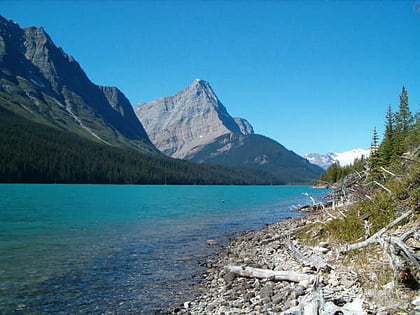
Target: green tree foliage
{"x": 33, "y": 152}
{"x": 336, "y": 172}
{"x": 403, "y": 124}
{"x": 375, "y": 158}
{"x": 386, "y": 149}
{"x": 413, "y": 140}
{"x": 402, "y": 134}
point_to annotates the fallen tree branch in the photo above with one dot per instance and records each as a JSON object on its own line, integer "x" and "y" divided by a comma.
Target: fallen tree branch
{"x": 375, "y": 237}
{"x": 407, "y": 235}
{"x": 408, "y": 159}
{"x": 407, "y": 251}
{"x": 380, "y": 185}
{"x": 313, "y": 303}
{"x": 313, "y": 261}
{"x": 390, "y": 173}
{"x": 251, "y": 272}
{"x": 394, "y": 223}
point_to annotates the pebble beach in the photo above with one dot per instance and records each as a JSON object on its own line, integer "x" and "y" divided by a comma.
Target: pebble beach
{"x": 333, "y": 285}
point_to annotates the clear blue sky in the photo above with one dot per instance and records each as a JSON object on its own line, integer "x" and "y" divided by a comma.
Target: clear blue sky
{"x": 316, "y": 76}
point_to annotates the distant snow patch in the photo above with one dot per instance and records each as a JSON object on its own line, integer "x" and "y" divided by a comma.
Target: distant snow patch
{"x": 343, "y": 158}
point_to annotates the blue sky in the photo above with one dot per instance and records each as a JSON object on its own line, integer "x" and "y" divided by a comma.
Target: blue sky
{"x": 316, "y": 76}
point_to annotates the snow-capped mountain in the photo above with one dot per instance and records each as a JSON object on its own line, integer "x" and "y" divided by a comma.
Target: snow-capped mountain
{"x": 343, "y": 158}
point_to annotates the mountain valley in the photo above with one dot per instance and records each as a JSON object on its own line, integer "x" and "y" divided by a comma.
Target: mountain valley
{"x": 43, "y": 87}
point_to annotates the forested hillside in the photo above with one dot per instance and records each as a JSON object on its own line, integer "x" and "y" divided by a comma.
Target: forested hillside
{"x": 33, "y": 152}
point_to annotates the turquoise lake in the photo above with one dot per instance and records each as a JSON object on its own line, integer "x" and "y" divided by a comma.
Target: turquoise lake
{"x": 121, "y": 249}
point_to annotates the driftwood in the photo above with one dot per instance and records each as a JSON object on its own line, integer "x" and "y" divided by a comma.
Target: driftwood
{"x": 380, "y": 185}
{"x": 402, "y": 258}
{"x": 314, "y": 303}
{"x": 410, "y": 255}
{"x": 313, "y": 261}
{"x": 251, "y": 272}
{"x": 375, "y": 237}
{"x": 390, "y": 173}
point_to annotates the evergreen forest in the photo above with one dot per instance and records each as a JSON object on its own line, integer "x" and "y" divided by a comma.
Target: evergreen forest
{"x": 31, "y": 152}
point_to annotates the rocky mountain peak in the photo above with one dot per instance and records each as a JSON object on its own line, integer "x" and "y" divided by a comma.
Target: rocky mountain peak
{"x": 31, "y": 65}
{"x": 184, "y": 122}
{"x": 343, "y": 158}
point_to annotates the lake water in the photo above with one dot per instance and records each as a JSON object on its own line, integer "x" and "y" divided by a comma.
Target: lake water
{"x": 120, "y": 249}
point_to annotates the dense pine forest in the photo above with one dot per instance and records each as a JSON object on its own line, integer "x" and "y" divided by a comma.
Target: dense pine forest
{"x": 36, "y": 153}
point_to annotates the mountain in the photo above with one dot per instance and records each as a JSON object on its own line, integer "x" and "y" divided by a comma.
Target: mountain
{"x": 344, "y": 158}
{"x": 244, "y": 126}
{"x": 257, "y": 151}
{"x": 56, "y": 126}
{"x": 40, "y": 82}
{"x": 179, "y": 125}
{"x": 38, "y": 153}
{"x": 193, "y": 124}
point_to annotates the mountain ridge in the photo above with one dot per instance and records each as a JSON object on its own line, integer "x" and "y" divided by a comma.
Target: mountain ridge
{"x": 343, "y": 158}
{"x": 187, "y": 120}
{"x": 58, "y": 92}
{"x": 193, "y": 124}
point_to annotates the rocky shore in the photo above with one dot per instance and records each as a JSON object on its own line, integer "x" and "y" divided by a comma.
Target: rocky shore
{"x": 315, "y": 280}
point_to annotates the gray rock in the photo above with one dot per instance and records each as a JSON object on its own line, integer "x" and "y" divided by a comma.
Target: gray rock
{"x": 324, "y": 244}
{"x": 181, "y": 123}
{"x": 211, "y": 307}
{"x": 290, "y": 304}
{"x": 57, "y": 80}
{"x": 300, "y": 290}
{"x": 277, "y": 309}
{"x": 267, "y": 290}
{"x": 244, "y": 126}
{"x": 229, "y": 277}
{"x": 278, "y": 298}
{"x": 212, "y": 242}
{"x": 248, "y": 296}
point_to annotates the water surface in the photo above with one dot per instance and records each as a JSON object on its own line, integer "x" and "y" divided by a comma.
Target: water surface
{"x": 120, "y": 249}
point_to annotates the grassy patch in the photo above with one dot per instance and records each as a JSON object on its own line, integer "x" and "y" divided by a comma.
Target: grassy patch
{"x": 363, "y": 219}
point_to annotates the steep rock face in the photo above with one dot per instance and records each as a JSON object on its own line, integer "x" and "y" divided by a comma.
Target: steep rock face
{"x": 40, "y": 82}
{"x": 193, "y": 124}
{"x": 180, "y": 124}
{"x": 244, "y": 126}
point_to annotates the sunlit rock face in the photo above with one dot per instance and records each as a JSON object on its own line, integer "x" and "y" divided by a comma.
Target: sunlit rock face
{"x": 181, "y": 124}
{"x": 53, "y": 89}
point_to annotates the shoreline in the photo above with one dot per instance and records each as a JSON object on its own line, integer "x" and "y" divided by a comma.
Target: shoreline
{"x": 232, "y": 285}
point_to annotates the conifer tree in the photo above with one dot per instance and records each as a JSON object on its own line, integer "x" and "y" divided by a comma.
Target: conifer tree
{"x": 403, "y": 124}
{"x": 374, "y": 161}
{"x": 414, "y": 137}
{"x": 386, "y": 148}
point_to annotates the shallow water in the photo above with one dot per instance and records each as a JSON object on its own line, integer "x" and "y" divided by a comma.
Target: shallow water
{"x": 120, "y": 249}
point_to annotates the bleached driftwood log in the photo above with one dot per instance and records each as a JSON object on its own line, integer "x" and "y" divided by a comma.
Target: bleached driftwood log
{"x": 380, "y": 185}
{"x": 313, "y": 303}
{"x": 251, "y": 272}
{"x": 375, "y": 237}
{"x": 402, "y": 258}
{"x": 411, "y": 256}
{"x": 312, "y": 261}
{"x": 390, "y": 173}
